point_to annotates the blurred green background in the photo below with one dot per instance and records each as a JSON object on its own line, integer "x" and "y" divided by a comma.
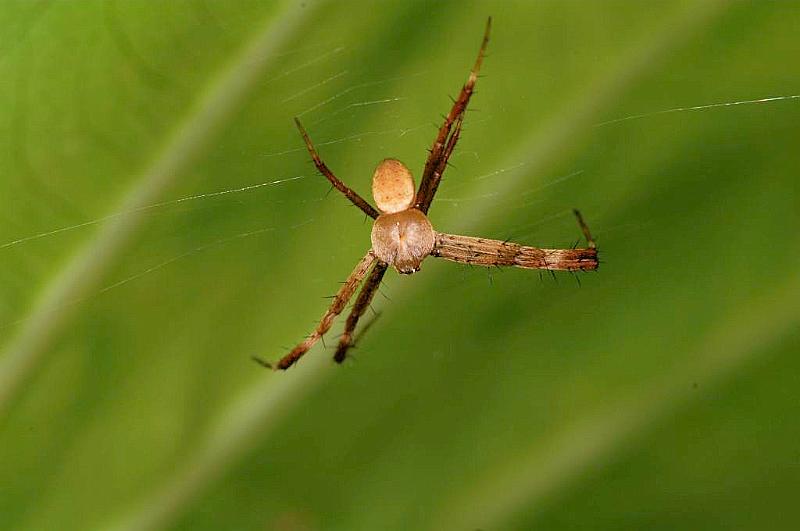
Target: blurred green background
{"x": 662, "y": 393}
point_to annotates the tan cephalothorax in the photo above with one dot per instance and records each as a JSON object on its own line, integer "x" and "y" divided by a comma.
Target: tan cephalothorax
{"x": 402, "y": 236}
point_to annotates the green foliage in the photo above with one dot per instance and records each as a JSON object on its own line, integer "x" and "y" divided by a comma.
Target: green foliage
{"x": 659, "y": 394}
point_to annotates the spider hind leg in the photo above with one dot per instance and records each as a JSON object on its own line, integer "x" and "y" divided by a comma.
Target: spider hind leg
{"x": 449, "y": 132}
{"x": 349, "y": 193}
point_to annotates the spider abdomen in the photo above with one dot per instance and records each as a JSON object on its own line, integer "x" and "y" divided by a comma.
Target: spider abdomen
{"x": 403, "y": 239}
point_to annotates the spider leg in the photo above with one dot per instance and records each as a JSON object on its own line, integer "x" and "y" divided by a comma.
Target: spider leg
{"x": 451, "y": 144}
{"x": 486, "y": 252}
{"x": 339, "y": 302}
{"x": 585, "y": 229}
{"x": 356, "y": 199}
{"x": 362, "y": 303}
{"x": 447, "y": 137}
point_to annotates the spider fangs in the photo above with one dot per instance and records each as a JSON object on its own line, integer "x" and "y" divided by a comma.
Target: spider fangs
{"x": 403, "y": 237}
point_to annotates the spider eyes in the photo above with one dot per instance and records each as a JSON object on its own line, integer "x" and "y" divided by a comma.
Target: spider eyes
{"x": 392, "y": 186}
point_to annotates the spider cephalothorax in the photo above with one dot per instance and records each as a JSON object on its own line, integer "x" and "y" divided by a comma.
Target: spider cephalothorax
{"x": 403, "y": 237}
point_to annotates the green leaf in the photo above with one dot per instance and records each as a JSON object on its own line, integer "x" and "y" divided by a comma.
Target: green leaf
{"x": 161, "y": 224}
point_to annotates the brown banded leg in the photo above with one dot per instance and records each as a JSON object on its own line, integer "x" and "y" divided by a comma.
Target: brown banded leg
{"x": 362, "y": 303}
{"x": 584, "y": 228}
{"x": 451, "y": 144}
{"x": 487, "y": 252}
{"x": 446, "y": 138}
{"x": 339, "y": 302}
{"x": 356, "y": 199}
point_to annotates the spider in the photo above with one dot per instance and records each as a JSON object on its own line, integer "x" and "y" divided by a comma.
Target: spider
{"x": 403, "y": 237}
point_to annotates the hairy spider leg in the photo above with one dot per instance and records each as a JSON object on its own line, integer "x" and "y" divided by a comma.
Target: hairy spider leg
{"x": 344, "y": 294}
{"x": 362, "y": 303}
{"x": 451, "y": 144}
{"x": 585, "y": 229}
{"x": 490, "y": 253}
{"x": 442, "y": 146}
{"x": 356, "y": 199}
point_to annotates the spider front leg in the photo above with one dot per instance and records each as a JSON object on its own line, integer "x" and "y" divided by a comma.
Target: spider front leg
{"x": 447, "y": 137}
{"x": 585, "y": 229}
{"x": 495, "y": 253}
{"x": 339, "y": 302}
{"x": 350, "y": 194}
{"x": 371, "y": 286}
